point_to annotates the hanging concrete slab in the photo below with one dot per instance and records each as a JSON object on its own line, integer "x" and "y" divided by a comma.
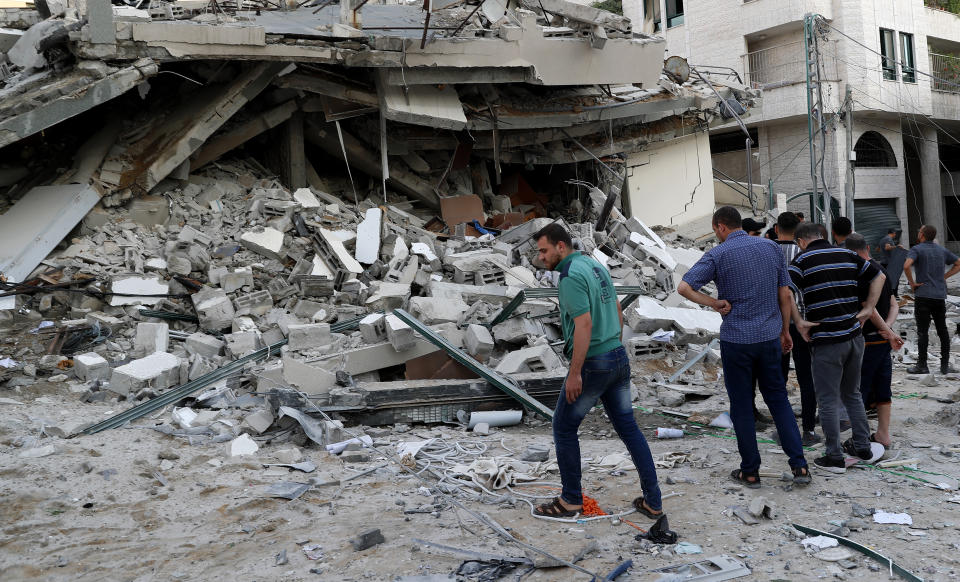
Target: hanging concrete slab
{"x": 55, "y": 106}
{"x": 424, "y": 105}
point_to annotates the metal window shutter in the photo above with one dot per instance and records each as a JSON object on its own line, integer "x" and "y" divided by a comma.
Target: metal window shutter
{"x": 872, "y": 218}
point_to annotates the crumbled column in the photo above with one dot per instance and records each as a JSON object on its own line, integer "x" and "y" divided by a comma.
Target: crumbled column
{"x": 91, "y": 366}
{"x": 308, "y": 336}
{"x": 267, "y": 242}
{"x": 151, "y": 337}
{"x": 159, "y": 370}
{"x": 214, "y": 308}
{"x": 400, "y": 334}
{"x": 203, "y": 345}
{"x": 478, "y": 341}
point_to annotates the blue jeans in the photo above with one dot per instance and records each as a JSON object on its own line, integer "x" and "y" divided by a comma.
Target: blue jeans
{"x": 741, "y": 362}
{"x": 605, "y": 378}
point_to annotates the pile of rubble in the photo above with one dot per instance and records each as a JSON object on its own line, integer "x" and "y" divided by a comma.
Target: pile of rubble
{"x": 357, "y": 307}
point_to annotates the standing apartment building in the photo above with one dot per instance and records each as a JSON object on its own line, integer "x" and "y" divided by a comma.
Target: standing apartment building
{"x": 906, "y": 124}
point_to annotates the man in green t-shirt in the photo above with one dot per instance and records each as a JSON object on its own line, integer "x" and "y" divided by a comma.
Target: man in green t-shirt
{"x": 599, "y": 371}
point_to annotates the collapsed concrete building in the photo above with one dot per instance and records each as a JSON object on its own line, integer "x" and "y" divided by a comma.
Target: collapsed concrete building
{"x": 352, "y": 188}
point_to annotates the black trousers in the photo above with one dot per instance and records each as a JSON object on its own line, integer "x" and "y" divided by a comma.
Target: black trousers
{"x": 926, "y": 309}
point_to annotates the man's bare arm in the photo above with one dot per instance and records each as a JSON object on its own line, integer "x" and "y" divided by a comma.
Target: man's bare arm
{"x": 721, "y": 306}
{"x": 582, "y": 330}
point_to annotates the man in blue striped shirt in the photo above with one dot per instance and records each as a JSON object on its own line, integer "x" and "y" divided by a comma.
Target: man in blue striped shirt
{"x": 826, "y": 277}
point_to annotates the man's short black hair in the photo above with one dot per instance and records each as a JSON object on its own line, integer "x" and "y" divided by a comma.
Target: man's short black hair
{"x": 729, "y": 217}
{"x": 929, "y": 232}
{"x": 808, "y": 231}
{"x": 787, "y": 223}
{"x": 555, "y": 234}
{"x": 855, "y": 242}
{"x": 800, "y": 216}
{"x": 842, "y": 226}
{"x": 892, "y": 230}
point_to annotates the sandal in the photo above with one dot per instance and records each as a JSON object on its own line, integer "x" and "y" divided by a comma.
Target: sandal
{"x": 801, "y": 475}
{"x": 555, "y": 509}
{"x": 750, "y": 480}
{"x": 639, "y": 506}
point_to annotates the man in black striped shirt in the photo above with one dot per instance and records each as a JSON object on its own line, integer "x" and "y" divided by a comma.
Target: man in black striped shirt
{"x": 826, "y": 277}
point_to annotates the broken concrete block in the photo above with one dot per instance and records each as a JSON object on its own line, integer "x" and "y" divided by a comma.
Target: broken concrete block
{"x": 214, "y": 308}
{"x": 373, "y": 328}
{"x": 367, "y": 539}
{"x": 534, "y": 359}
{"x": 91, "y": 366}
{"x": 151, "y": 337}
{"x": 242, "y": 445}
{"x": 267, "y": 242}
{"x": 399, "y": 334}
{"x": 236, "y": 279}
{"x": 135, "y": 290}
{"x": 256, "y": 303}
{"x": 308, "y": 336}
{"x": 481, "y": 428}
{"x": 669, "y": 398}
{"x": 310, "y": 379}
{"x": 66, "y": 428}
{"x": 259, "y": 421}
{"x": 516, "y": 330}
{"x": 388, "y": 296}
{"x": 190, "y": 234}
{"x": 157, "y": 371}
{"x": 368, "y": 237}
{"x": 478, "y": 341}
{"x": 288, "y": 456}
{"x": 242, "y": 343}
{"x": 536, "y": 454}
{"x": 203, "y": 345}
{"x": 431, "y": 310}
{"x": 305, "y": 198}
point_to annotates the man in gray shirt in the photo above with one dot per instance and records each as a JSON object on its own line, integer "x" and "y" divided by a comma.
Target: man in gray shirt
{"x": 886, "y": 246}
{"x": 930, "y": 293}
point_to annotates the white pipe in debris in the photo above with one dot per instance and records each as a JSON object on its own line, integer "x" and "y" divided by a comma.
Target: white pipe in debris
{"x": 496, "y": 418}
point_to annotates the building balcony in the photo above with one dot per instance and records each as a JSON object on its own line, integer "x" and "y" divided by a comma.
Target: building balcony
{"x": 785, "y": 64}
{"x": 942, "y": 23}
{"x": 772, "y": 15}
{"x": 945, "y": 86}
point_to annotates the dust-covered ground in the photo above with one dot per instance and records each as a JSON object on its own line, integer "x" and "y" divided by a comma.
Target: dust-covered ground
{"x": 136, "y": 504}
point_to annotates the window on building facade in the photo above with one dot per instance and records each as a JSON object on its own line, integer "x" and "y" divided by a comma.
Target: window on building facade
{"x": 906, "y": 58}
{"x": 674, "y": 13}
{"x": 888, "y": 48}
{"x": 874, "y": 151}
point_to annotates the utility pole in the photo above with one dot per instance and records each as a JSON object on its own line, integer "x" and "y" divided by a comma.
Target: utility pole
{"x": 815, "y": 116}
{"x": 850, "y": 187}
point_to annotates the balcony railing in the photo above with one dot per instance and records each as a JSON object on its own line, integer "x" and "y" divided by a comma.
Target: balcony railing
{"x": 946, "y": 73}
{"x": 786, "y": 65}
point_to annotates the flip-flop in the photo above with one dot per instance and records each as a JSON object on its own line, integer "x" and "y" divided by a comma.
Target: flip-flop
{"x": 639, "y": 506}
{"x": 744, "y": 479}
{"x": 555, "y": 509}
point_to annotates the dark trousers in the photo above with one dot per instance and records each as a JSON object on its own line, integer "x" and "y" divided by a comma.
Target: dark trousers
{"x": 801, "y": 362}
{"x": 740, "y": 363}
{"x": 926, "y": 309}
{"x": 876, "y": 375}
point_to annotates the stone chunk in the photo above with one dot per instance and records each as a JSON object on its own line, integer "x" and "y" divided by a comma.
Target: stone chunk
{"x": 305, "y": 198}
{"x": 308, "y": 336}
{"x": 151, "y": 337}
{"x": 201, "y": 344}
{"x": 214, "y": 308}
{"x": 242, "y": 445}
{"x": 367, "y": 540}
{"x": 400, "y": 334}
{"x": 533, "y": 359}
{"x": 157, "y": 371}
{"x": 373, "y": 328}
{"x": 91, "y": 366}
{"x": 236, "y": 279}
{"x": 259, "y": 421}
{"x": 256, "y": 303}
{"x": 431, "y": 310}
{"x": 478, "y": 341}
{"x": 135, "y": 290}
{"x": 267, "y": 242}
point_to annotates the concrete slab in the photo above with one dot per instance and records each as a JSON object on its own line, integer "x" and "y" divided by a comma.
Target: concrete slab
{"x": 368, "y": 237}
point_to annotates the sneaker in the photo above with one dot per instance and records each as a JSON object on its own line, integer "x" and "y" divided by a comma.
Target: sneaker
{"x": 851, "y": 449}
{"x": 918, "y": 369}
{"x": 811, "y": 438}
{"x": 947, "y": 369}
{"x": 837, "y": 466}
